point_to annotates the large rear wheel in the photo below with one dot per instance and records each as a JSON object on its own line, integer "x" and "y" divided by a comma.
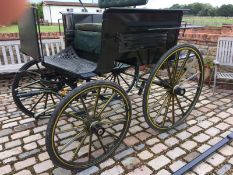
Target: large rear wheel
{"x": 173, "y": 87}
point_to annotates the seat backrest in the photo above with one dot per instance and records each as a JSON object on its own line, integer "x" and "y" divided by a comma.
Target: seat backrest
{"x": 126, "y": 31}
{"x": 224, "y": 54}
{"x": 120, "y": 3}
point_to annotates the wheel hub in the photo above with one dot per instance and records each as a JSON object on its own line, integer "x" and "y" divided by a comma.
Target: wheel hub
{"x": 97, "y": 128}
{"x": 179, "y": 90}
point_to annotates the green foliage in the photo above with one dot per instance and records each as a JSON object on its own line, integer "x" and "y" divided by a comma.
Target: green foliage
{"x": 225, "y": 10}
{"x": 208, "y": 62}
{"x": 39, "y": 7}
{"x": 201, "y": 9}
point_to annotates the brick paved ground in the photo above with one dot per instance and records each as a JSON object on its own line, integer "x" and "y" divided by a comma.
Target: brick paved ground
{"x": 23, "y": 152}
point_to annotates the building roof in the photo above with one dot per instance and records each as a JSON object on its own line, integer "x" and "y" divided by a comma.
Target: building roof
{"x": 59, "y": 3}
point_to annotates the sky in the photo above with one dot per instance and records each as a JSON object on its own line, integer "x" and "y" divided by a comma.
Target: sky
{"x": 164, "y": 3}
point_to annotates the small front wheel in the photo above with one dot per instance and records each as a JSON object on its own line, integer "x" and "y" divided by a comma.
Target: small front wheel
{"x": 35, "y": 89}
{"x": 173, "y": 87}
{"x": 88, "y": 125}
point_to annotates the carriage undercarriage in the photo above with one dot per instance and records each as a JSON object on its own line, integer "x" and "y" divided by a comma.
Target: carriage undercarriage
{"x": 87, "y": 88}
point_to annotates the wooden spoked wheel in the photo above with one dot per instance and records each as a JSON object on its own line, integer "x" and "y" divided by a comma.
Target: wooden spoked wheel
{"x": 35, "y": 90}
{"x": 173, "y": 87}
{"x": 123, "y": 75}
{"x": 88, "y": 125}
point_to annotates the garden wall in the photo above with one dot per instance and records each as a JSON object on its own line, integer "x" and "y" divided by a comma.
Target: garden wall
{"x": 15, "y": 36}
{"x": 206, "y": 38}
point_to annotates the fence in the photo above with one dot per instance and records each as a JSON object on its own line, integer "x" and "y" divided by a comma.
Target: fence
{"x": 11, "y": 59}
{"x": 208, "y": 21}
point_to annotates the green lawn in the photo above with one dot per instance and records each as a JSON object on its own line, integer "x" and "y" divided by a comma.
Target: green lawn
{"x": 14, "y": 29}
{"x": 208, "y": 21}
{"x": 195, "y": 20}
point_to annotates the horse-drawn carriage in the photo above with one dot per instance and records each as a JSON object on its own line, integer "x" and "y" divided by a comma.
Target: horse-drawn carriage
{"x": 84, "y": 87}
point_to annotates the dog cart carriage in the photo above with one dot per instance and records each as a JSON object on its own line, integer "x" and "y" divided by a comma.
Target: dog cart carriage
{"x": 85, "y": 88}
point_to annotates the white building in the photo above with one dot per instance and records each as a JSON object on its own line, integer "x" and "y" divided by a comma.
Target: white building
{"x": 52, "y": 9}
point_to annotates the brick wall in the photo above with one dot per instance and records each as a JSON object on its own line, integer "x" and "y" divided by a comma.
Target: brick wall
{"x": 15, "y": 36}
{"x": 206, "y": 38}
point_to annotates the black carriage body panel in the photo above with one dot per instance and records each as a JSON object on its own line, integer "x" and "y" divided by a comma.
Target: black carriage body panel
{"x": 120, "y": 3}
{"x": 131, "y": 36}
{"x": 28, "y": 34}
{"x": 70, "y": 19}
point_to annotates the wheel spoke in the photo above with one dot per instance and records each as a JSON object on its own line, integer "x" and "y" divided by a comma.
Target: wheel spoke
{"x": 45, "y": 110}
{"x": 96, "y": 101}
{"x": 187, "y": 98}
{"x": 163, "y": 96}
{"x": 46, "y": 101}
{"x": 188, "y": 69}
{"x": 191, "y": 77}
{"x": 101, "y": 143}
{"x": 162, "y": 81}
{"x": 72, "y": 129}
{"x": 173, "y": 110}
{"x": 114, "y": 136}
{"x": 112, "y": 112}
{"x": 27, "y": 72}
{"x": 106, "y": 104}
{"x": 52, "y": 98}
{"x": 124, "y": 80}
{"x": 166, "y": 110}
{"x": 73, "y": 115}
{"x": 89, "y": 153}
{"x": 84, "y": 106}
{"x": 178, "y": 102}
{"x": 70, "y": 141}
{"x": 79, "y": 147}
{"x": 28, "y": 85}
{"x": 175, "y": 68}
{"x": 115, "y": 122}
{"x": 169, "y": 72}
{"x": 37, "y": 102}
{"x": 182, "y": 66}
{"x": 162, "y": 106}
{"x": 108, "y": 76}
{"x": 118, "y": 81}
{"x": 128, "y": 74}
{"x": 35, "y": 73}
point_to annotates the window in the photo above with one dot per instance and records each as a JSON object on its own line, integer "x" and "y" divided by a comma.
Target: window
{"x": 70, "y": 10}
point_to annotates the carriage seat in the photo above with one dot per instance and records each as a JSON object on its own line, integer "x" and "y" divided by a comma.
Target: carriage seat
{"x": 88, "y": 37}
{"x": 92, "y": 27}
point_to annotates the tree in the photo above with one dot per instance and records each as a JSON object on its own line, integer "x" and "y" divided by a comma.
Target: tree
{"x": 207, "y": 10}
{"x": 225, "y": 10}
{"x": 39, "y": 7}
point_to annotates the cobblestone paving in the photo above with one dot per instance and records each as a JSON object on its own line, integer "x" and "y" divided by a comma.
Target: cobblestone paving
{"x": 23, "y": 152}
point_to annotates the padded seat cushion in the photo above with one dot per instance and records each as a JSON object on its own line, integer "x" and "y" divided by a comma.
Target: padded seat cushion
{"x": 87, "y": 41}
{"x": 93, "y": 27}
